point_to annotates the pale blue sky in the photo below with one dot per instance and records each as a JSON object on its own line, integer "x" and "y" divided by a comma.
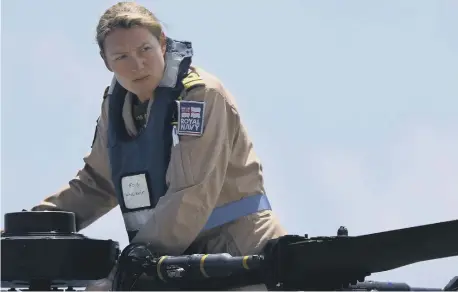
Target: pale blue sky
{"x": 352, "y": 106}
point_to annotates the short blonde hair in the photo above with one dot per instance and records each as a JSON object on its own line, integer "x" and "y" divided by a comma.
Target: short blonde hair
{"x": 126, "y": 15}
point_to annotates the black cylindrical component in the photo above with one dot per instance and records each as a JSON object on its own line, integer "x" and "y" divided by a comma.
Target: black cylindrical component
{"x": 41, "y": 249}
{"x": 29, "y": 222}
{"x": 204, "y": 266}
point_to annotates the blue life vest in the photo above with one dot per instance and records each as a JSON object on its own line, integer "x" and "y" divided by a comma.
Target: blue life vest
{"x": 139, "y": 164}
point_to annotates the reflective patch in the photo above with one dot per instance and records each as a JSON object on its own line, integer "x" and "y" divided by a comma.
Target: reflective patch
{"x": 190, "y": 117}
{"x": 135, "y": 191}
{"x": 136, "y": 219}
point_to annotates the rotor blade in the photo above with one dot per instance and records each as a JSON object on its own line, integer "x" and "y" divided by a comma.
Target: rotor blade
{"x": 376, "y": 252}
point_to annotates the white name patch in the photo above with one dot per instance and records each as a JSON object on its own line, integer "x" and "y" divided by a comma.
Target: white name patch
{"x": 135, "y": 191}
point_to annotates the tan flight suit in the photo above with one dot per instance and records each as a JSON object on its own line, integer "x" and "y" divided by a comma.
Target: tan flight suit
{"x": 204, "y": 172}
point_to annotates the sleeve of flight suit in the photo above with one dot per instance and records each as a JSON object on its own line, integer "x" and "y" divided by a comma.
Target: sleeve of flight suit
{"x": 90, "y": 194}
{"x": 197, "y": 173}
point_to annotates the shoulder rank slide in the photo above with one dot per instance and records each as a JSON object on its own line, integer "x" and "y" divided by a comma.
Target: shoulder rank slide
{"x": 190, "y": 117}
{"x": 192, "y": 80}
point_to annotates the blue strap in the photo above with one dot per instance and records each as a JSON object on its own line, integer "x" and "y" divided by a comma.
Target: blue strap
{"x": 234, "y": 210}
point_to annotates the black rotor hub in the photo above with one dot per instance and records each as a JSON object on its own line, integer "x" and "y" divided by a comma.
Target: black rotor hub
{"x": 42, "y": 250}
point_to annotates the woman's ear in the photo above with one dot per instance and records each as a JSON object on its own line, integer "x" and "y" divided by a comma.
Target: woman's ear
{"x": 105, "y": 61}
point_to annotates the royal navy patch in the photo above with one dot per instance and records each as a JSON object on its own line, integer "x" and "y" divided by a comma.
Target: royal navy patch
{"x": 190, "y": 117}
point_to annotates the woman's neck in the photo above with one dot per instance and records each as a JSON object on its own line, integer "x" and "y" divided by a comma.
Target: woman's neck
{"x": 142, "y": 98}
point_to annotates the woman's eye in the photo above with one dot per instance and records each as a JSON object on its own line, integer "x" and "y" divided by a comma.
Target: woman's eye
{"x": 147, "y": 48}
{"x": 120, "y": 57}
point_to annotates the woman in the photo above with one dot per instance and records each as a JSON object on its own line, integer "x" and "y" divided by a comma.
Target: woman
{"x": 169, "y": 148}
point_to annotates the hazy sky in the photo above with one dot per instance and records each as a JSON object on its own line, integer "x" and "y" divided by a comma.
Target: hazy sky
{"x": 352, "y": 106}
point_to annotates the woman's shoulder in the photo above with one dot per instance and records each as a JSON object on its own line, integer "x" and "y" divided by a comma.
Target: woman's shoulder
{"x": 205, "y": 85}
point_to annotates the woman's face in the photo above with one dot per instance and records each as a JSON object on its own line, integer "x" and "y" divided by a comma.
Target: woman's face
{"x": 136, "y": 57}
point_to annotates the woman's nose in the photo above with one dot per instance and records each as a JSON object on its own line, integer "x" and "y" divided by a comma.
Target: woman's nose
{"x": 138, "y": 64}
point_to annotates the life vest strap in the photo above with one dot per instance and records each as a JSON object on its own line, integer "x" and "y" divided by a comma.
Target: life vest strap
{"x": 237, "y": 209}
{"x": 220, "y": 215}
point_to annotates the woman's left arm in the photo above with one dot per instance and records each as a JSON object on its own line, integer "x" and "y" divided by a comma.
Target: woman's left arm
{"x": 197, "y": 173}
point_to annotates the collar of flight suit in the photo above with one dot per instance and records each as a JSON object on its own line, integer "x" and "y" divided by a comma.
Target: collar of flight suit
{"x": 128, "y": 115}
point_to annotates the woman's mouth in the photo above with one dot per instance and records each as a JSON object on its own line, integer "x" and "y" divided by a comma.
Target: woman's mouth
{"x": 141, "y": 78}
